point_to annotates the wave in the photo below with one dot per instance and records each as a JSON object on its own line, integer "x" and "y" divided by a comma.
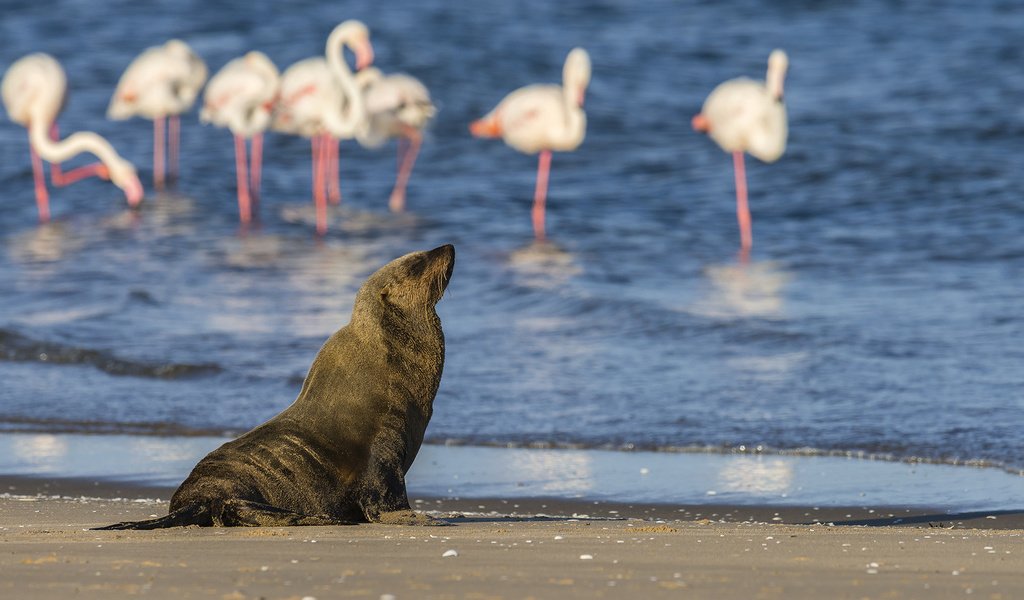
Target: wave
{"x": 19, "y": 348}
{"x": 154, "y": 429}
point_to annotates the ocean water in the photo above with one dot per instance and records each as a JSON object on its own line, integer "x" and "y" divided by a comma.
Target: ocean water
{"x": 880, "y": 314}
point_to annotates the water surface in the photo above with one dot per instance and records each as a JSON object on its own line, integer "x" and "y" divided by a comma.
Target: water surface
{"x": 880, "y": 313}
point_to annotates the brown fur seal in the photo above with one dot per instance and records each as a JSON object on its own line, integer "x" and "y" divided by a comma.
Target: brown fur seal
{"x": 340, "y": 452}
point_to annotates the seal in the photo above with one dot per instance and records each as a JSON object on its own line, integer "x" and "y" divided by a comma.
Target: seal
{"x": 340, "y": 452}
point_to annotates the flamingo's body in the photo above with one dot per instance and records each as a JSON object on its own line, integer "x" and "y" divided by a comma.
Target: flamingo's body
{"x": 241, "y": 97}
{"x": 541, "y": 118}
{"x": 34, "y": 90}
{"x": 163, "y": 82}
{"x": 319, "y": 100}
{"x": 743, "y": 115}
{"x": 397, "y": 106}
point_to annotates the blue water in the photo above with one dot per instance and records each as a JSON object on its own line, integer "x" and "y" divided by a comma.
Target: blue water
{"x": 881, "y": 312}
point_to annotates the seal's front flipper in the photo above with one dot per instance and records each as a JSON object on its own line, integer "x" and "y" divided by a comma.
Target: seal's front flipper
{"x": 386, "y": 501}
{"x": 246, "y": 513}
{"x": 195, "y": 514}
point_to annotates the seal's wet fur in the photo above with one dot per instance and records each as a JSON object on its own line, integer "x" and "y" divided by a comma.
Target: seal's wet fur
{"x": 340, "y": 452}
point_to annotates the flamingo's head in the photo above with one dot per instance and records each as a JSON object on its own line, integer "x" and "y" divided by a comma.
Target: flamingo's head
{"x": 364, "y": 53}
{"x": 356, "y": 35}
{"x": 123, "y": 175}
{"x": 700, "y": 123}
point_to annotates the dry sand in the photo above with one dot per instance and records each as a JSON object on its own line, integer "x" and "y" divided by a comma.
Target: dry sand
{"x": 640, "y": 552}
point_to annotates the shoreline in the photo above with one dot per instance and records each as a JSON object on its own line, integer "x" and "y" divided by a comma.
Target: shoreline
{"x": 531, "y": 551}
{"x": 28, "y": 489}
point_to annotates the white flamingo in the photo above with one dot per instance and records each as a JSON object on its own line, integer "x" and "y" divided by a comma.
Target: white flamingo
{"x": 34, "y": 90}
{"x": 541, "y": 118}
{"x": 160, "y": 84}
{"x": 743, "y": 115}
{"x": 319, "y": 100}
{"x": 241, "y": 97}
{"x": 397, "y": 106}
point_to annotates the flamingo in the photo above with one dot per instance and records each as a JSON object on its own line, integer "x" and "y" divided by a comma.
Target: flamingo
{"x": 743, "y": 115}
{"x": 541, "y": 118}
{"x": 397, "y": 106}
{"x": 160, "y": 84}
{"x": 241, "y": 97}
{"x": 34, "y": 90}
{"x": 319, "y": 100}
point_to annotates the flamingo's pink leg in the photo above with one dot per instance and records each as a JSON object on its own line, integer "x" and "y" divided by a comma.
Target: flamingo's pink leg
{"x": 158, "y": 153}
{"x": 174, "y": 141}
{"x": 742, "y": 209}
{"x": 539, "y": 197}
{"x": 256, "y": 172}
{"x": 62, "y": 178}
{"x": 319, "y": 166}
{"x": 42, "y": 197}
{"x": 56, "y": 174}
{"x": 407, "y": 153}
{"x": 244, "y": 205}
{"x": 315, "y": 144}
{"x": 333, "y": 169}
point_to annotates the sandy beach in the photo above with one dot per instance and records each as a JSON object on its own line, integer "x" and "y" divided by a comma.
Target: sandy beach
{"x": 505, "y": 549}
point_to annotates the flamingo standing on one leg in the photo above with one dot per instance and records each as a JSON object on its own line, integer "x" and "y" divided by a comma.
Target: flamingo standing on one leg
{"x": 160, "y": 84}
{"x": 397, "y": 106}
{"x": 241, "y": 97}
{"x": 743, "y": 115}
{"x": 34, "y": 90}
{"x": 319, "y": 100}
{"x": 541, "y": 118}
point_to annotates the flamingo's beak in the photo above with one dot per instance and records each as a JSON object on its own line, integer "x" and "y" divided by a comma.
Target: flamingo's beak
{"x": 582, "y": 96}
{"x": 133, "y": 192}
{"x": 364, "y": 55}
{"x": 700, "y": 123}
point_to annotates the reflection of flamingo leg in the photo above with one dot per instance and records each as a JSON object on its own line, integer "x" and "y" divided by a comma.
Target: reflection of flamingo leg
{"x": 42, "y": 197}
{"x": 60, "y": 178}
{"x": 174, "y": 141}
{"x": 320, "y": 142}
{"x": 540, "y": 195}
{"x": 256, "y": 172}
{"x": 244, "y": 205}
{"x": 406, "y": 159}
{"x": 158, "y": 153}
{"x": 333, "y": 170}
{"x": 742, "y": 209}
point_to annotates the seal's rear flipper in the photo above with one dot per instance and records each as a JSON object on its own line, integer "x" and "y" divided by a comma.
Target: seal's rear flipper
{"x": 230, "y": 513}
{"x": 246, "y": 513}
{"x": 195, "y": 514}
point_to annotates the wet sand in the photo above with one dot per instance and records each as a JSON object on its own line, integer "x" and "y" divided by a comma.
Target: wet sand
{"x": 505, "y": 549}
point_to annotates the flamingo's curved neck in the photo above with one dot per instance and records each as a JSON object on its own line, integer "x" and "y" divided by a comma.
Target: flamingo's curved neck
{"x": 356, "y": 112}
{"x": 774, "y": 80}
{"x": 73, "y": 145}
{"x": 572, "y": 96}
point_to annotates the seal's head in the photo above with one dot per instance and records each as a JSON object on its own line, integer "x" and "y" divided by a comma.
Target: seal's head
{"x": 410, "y": 283}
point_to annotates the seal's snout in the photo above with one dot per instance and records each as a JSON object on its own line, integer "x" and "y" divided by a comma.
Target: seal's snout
{"x": 447, "y": 251}
{"x": 445, "y": 257}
